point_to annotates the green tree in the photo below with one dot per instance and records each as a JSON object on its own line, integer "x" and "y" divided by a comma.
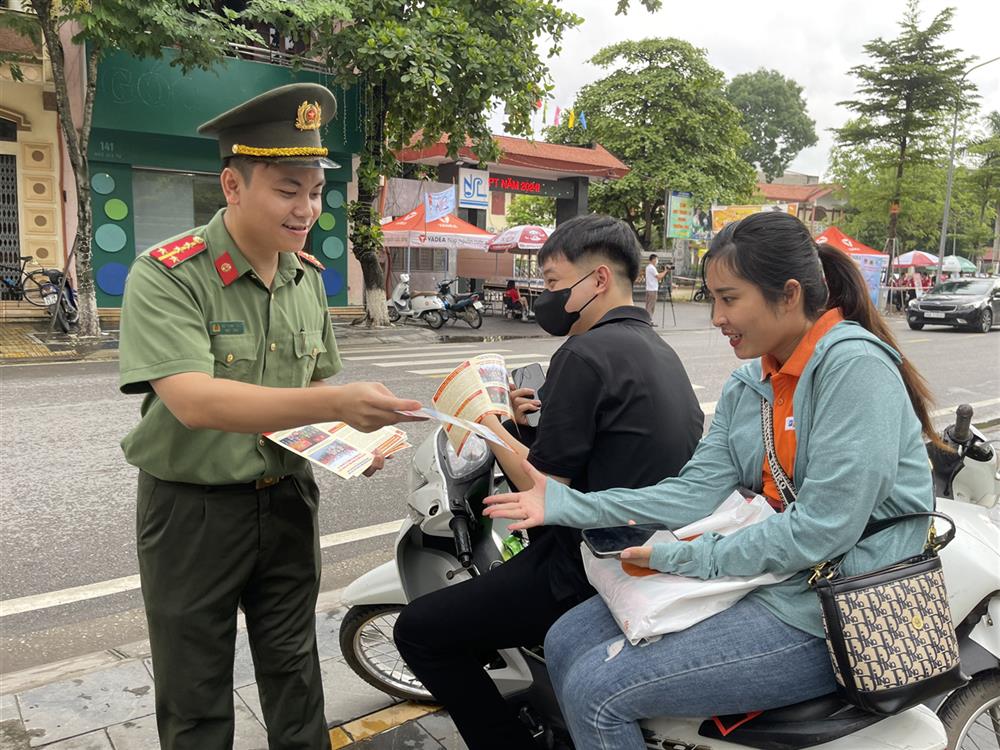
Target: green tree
{"x": 774, "y": 116}
{"x": 904, "y": 96}
{"x": 198, "y": 33}
{"x": 434, "y": 68}
{"x": 663, "y": 111}
{"x": 531, "y": 209}
{"x": 984, "y": 182}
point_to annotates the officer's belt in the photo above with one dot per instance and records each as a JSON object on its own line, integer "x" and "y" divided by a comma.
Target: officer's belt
{"x": 251, "y": 486}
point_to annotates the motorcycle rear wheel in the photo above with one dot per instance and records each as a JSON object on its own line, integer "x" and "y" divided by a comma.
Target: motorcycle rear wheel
{"x": 367, "y": 645}
{"x": 433, "y": 318}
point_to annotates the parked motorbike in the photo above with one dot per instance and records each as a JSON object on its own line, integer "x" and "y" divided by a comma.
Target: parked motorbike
{"x": 424, "y": 306}
{"x": 700, "y": 294}
{"x": 465, "y": 307}
{"x": 63, "y": 305}
{"x": 445, "y": 539}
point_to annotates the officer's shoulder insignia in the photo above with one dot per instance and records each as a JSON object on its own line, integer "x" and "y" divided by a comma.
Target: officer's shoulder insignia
{"x": 311, "y": 260}
{"x": 178, "y": 251}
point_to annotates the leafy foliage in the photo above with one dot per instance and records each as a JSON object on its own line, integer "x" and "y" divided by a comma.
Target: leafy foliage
{"x": 662, "y": 111}
{"x": 531, "y": 209}
{"x": 430, "y": 69}
{"x": 904, "y": 97}
{"x": 774, "y": 116}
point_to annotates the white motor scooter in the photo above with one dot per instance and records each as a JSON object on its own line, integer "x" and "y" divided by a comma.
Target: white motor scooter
{"x": 425, "y": 306}
{"x": 445, "y": 539}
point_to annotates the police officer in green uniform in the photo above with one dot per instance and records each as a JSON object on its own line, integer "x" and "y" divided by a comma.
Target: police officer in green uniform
{"x": 225, "y": 330}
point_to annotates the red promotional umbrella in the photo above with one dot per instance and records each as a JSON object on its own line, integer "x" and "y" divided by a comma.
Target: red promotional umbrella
{"x": 916, "y": 258}
{"x": 525, "y": 238}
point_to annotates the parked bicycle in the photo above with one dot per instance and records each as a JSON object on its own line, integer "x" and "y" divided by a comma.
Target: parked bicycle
{"x": 43, "y": 287}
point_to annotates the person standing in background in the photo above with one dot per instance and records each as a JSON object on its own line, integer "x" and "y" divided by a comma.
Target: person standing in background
{"x": 653, "y": 279}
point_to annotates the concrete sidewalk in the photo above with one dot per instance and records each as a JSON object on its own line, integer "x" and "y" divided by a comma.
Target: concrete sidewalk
{"x": 104, "y": 701}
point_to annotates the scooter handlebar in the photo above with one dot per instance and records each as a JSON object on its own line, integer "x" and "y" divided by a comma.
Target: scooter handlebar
{"x": 463, "y": 541}
{"x": 963, "y": 419}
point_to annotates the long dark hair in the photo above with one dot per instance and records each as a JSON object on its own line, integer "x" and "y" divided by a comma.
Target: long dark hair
{"x": 770, "y": 248}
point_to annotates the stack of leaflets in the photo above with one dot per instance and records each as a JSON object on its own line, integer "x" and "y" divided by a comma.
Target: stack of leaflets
{"x": 341, "y": 449}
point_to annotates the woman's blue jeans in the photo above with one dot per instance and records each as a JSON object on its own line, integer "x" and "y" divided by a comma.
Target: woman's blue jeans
{"x": 743, "y": 659}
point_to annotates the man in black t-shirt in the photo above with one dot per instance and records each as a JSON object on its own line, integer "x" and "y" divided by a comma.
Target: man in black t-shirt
{"x": 617, "y": 410}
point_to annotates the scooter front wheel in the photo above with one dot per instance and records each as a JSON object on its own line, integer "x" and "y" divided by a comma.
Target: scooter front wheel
{"x": 393, "y": 314}
{"x": 367, "y": 645}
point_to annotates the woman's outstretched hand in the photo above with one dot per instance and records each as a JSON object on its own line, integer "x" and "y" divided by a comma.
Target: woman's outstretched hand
{"x": 526, "y": 508}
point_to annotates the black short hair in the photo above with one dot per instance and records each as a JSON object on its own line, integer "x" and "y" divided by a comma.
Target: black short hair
{"x": 595, "y": 234}
{"x": 244, "y": 165}
{"x": 652, "y": 257}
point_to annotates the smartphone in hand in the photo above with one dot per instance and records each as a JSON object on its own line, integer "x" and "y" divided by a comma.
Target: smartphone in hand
{"x": 530, "y": 376}
{"x": 613, "y": 540}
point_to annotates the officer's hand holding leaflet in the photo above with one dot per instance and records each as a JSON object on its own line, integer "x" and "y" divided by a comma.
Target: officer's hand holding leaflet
{"x": 201, "y": 402}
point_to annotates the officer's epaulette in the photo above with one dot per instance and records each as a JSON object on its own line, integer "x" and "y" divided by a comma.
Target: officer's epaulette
{"x": 311, "y": 260}
{"x": 179, "y": 250}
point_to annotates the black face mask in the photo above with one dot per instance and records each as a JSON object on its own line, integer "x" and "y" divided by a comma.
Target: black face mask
{"x": 550, "y": 310}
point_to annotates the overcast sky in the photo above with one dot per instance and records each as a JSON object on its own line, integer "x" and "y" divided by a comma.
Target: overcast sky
{"x": 814, "y": 43}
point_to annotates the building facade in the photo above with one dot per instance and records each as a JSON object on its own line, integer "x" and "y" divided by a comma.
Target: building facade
{"x": 31, "y": 211}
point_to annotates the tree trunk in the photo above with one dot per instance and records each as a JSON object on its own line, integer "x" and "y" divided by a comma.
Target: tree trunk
{"x": 76, "y": 148}
{"x": 890, "y": 243}
{"x": 996, "y": 241}
{"x": 365, "y": 230}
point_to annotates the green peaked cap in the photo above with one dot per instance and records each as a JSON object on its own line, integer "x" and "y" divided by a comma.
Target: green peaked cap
{"x": 281, "y": 125}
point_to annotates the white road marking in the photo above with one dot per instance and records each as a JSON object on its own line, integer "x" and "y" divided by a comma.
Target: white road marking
{"x": 950, "y": 411}
{"x": 456, "y": 360}
{"x": 391, "y": 348}
{"x": 466, "y": 353}
{"x": 131, "y": 583}
{"x": 446, "y": 370}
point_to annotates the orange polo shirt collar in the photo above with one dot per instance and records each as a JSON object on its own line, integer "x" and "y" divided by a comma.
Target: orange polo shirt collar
{"x": 784, "y": 380}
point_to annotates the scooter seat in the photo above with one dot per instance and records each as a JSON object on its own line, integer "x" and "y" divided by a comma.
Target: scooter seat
{"x": 799, "y": 725}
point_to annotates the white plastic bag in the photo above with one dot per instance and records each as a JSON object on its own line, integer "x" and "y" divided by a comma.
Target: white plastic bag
{"x": 652, "y": 605}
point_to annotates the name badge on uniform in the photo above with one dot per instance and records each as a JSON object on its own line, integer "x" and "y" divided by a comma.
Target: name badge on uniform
{"x": 225, "y": 327}
{"x": 789, "y": 424}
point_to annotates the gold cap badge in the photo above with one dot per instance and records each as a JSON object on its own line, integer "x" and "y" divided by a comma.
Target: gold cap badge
{"x": 309, "y": 116}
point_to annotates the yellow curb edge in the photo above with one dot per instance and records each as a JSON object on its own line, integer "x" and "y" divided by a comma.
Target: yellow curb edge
{"x": 378, "y": 722}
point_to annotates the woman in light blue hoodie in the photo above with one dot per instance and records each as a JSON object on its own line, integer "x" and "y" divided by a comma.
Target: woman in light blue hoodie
{"x": 849, "y": 416}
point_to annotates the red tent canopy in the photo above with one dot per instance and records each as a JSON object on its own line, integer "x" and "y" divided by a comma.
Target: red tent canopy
{"x": 834, "y": 237}
{"x": 449, "y": 231}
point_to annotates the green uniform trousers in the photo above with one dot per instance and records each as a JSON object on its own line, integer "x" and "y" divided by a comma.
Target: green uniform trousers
{"x": 204, "y": 552}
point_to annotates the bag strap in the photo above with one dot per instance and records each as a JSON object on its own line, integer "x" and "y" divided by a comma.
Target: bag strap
{"x": 786, "y": 487}
{"x": 831, "y": 568}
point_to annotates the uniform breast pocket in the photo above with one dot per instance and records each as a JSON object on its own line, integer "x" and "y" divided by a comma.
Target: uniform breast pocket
{"x": 235, "y": 357}
{"x": 308, "y": 346}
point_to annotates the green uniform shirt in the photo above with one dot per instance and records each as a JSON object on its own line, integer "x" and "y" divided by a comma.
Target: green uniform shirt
{"x": 211, "y": 313}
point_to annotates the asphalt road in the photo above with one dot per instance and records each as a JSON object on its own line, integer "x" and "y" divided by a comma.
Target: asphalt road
{"x": 67, "y": 495}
